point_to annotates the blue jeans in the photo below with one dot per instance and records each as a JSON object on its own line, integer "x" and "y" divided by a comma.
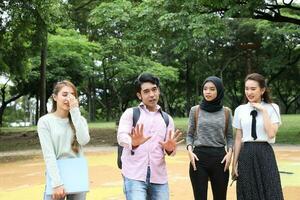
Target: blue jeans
{"x": 140, "y": 190}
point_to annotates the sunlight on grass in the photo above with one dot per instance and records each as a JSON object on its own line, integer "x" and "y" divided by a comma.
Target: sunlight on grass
{"x": 106, "y": 193}
{"x": 23, "y": 192}
{"x": 106, "y": 160}
{"x": 289, "y": 179}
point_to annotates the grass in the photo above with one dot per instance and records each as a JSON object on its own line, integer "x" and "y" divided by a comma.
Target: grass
{"x": 289, "y": 131}
{"x": 104, "y": 133}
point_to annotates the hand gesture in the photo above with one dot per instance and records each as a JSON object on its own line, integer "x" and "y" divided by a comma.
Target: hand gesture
{"x": 192, "y": 158}
{"x": 227, "y": 160}
{"x": 137, "y": 136}
{"x": 258, "y": 106}
{"x": 73, "y": 102}
{"x": 58, "y": 192}
{"x": 170, "y": 144}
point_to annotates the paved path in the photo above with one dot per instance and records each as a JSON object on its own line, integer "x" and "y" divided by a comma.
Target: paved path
{"x": 113, "y": 148}
{"x": 24, "y": 178}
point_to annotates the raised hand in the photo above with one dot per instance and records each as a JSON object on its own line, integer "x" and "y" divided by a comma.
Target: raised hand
{"x": 170, "y": 144}
{"x": 73, "y": 102}
{"x": 258, "y": 106}
{"x": 137, "y": 136}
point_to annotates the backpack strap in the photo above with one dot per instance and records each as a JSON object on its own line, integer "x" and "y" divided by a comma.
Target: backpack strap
{"x": 135, "y": 115}
{"x": 226, "y": 112}
{"x": 196, "y": 115}
{"x": 165, "y": 116}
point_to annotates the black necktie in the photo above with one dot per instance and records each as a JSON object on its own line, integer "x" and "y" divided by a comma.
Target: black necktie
{"x": 253, "y": 125}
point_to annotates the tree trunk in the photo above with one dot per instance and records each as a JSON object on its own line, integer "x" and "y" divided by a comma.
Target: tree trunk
{"x": 2, "y": 108}
{"x": 197, "y": 88}
{"x": 91, "y": 100}
{"x": 105, "y": 88}
{"x": 187, "y": 88}
{"x": 5, "y": 103}
{"x": 37, "y": 108}
{"x": 166, "y": 104}
{"x": 43, "y": 109}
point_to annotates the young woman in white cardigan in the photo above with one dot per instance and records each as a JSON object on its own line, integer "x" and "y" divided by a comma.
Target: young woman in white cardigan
{"x": 62, "y": 133}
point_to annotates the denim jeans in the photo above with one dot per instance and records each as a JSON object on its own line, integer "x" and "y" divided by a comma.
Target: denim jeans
{"x": 140, "y": 190}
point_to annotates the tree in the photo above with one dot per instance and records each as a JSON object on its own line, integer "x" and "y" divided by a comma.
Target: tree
{"x": 70, "y": 56}
{"x": 280, "y": 58}
{"x": 45, "y": 14}
{"x": 17, "y": 37}
{"x": 274, "y": 10}
{"x": 113, "y": 25}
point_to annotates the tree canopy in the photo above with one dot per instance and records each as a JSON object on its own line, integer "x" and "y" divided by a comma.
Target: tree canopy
{"x": 102, "y": 46}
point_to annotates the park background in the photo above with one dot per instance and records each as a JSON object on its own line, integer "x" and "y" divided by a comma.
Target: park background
{"x": 102, "y": 46}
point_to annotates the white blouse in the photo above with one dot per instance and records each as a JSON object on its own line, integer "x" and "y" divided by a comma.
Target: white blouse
{"x": 243, "y": 120}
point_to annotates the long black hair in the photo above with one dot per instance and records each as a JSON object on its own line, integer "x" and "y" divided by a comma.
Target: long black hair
{"x": 56, "y": 89}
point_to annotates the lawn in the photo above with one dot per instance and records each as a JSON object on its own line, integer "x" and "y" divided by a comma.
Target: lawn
{"x": 103, "y": 133}
{"x": 288, "y": 133}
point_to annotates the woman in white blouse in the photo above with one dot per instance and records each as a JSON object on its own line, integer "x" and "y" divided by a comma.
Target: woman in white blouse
{"x": 254, "y": 164}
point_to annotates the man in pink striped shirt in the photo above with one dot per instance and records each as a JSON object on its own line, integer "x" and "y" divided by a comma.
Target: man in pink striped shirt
{"x": 146, "y": 144}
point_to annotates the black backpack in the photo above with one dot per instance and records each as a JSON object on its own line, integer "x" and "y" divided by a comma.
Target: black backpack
{"x": 135, "y": 118}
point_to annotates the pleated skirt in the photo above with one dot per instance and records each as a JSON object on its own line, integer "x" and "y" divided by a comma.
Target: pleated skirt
{"x": 258, "y": 173}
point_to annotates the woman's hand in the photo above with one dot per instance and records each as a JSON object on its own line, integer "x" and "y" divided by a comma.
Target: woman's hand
{"x": 58, "y": 192}
{"x": 227, "y": 160}
{"x": 73, "y": 102}
{"x": 258, "y": 106}
{"x": 192, "y": 157}
{"x": 234, "y": 172}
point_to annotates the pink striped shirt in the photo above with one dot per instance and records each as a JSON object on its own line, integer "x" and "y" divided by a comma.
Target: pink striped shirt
{"x": 151, "y": 152}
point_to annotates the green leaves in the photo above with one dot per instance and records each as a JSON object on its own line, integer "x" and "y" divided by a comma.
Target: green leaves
{"x": 111, "y": 17}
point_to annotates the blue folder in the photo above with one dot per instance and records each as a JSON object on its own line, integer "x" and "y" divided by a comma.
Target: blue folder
{"x": 73, "y": 173}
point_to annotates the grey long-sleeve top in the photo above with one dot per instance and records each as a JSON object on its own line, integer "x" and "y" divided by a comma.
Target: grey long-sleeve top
{"x": 210, "y": 129}
{"x": 56, "y": 136}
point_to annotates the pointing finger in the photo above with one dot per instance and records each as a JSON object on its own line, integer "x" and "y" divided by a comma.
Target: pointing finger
{"x": 180, "y": 141}
{"x": 223, "y": 160}
{"x": 170, "y": 134}
{"x": 194, "y": 165}
{"x": 178, "y": 133}
{"x": 147, "y": 138}
{"x": 142, "y": 129}
{"x": 196, "y": 158}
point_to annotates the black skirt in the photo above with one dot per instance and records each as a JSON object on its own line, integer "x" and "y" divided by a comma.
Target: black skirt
{"x": 258, "y": 173}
